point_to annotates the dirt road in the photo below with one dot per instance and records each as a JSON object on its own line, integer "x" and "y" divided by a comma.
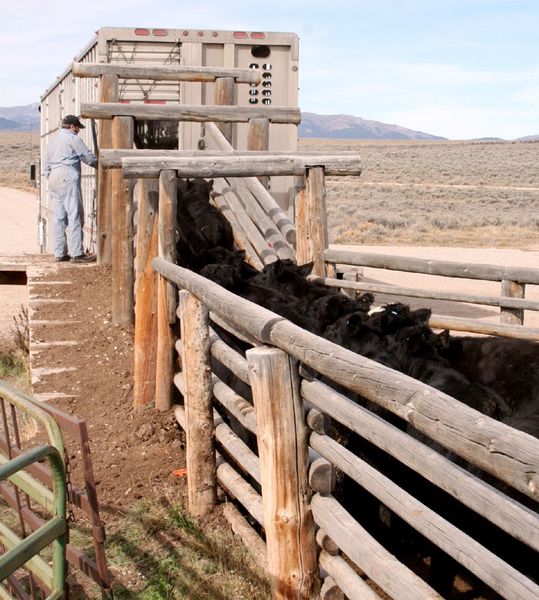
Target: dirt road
{"x": 18, "y": 236}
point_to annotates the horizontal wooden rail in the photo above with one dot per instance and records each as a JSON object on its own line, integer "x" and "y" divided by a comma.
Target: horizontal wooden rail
{"x": 241, "y": 165}
{"x": 346, "y": 578}
{"x": 478, "y": 495}
{"x": 165, "y": 73}
{"x": 475, "y": 326}
{"x": 506, "y": 453}
{"x": 395, "y": 290}
{"x": 491, "y": 569}
{"x": 433, "y": 267}
{"x": 112, "y": 157}
{"x": 231, "y": 481}
{"x": 185, "y": 112}
{"x": 374, "y": 560}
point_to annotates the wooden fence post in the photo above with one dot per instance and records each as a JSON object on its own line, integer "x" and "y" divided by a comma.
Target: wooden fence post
{"x": 122, "y": 228}
{"x": 224, "y": 95}
{"x": 311, "y": 223}
{"x": 199, "y": 431}
{"x": 512, "y": 289}
{"x": 166, "y": 292}
{"x": 108, "y": 92}
{"x": 146, "y": 293}
{"x": 284, "y": 464}
{"x": 258, "y": 139}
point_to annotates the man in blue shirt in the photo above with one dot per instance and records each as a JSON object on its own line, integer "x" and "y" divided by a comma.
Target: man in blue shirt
{"x": 62, "y": 169}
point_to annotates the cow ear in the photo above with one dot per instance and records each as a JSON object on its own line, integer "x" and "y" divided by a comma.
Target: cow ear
{"x": 423, "y": 315}
{"x": 306, "y": 269}
{"x": 444, "y": 337}
{"x": 278, "y": 267}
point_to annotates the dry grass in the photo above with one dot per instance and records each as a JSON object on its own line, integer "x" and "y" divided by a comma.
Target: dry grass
{"x": 410, "y": 193}
{"x": 435, "y": 193}
{"x": 17, "y": 151}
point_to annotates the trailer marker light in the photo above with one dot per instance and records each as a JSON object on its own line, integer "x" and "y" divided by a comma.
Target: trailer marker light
{"x": 214, "y": 33}
{"x": 258, "y": 35}
{"x": 200, "y": 33}
{"x": 160, "y": 32}
{"x": 240, "y": 35}
{"x": 148, "y": 101}
{"x": 141, "y": 31}
{"x": 185, "y": 32}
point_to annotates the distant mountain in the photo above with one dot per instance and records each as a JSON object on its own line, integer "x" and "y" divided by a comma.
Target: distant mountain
{"x": 350, "y": 127}
{"x": 528, "y": 138}
{"x": 19, "y": 118}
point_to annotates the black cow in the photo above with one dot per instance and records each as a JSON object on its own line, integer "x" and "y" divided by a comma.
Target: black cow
{"x": 508, "y": 366}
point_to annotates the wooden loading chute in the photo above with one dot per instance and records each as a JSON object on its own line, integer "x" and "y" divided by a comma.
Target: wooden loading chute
{"x": 286, "y": 489}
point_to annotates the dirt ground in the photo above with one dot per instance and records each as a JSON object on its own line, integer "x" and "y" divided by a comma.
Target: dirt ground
{"x": 132, "y": 453}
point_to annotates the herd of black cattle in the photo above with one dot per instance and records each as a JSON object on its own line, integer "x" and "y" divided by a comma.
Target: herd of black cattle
{"x": 497, "y": 376}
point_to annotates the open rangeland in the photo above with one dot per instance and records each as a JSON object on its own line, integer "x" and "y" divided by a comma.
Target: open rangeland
{"x": 435, "y": 194}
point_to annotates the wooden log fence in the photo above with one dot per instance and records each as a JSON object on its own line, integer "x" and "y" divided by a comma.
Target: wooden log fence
{"x": 165, "y": 73}
{"x": 185, "y": 112}
{"x": 509, "y": 455}
{"x": 511, "y": 301}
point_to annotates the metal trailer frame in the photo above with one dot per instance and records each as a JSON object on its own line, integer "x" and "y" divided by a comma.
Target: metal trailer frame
{"x": 274, "y": 54}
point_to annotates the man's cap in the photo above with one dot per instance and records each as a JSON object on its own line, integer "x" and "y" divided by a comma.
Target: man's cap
{"x": 72, "y": 120}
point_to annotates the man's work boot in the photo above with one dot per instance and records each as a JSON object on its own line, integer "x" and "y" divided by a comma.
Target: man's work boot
{"x": 84, "y": 258}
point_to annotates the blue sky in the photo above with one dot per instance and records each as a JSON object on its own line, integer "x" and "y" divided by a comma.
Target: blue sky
{"x": 460, "y": 69}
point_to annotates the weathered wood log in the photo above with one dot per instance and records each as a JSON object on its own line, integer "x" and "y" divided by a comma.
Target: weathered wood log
{"x": 312, "y": 214}
{"x": 330, "y": 590}
{"x": 282, "y": 445}
{"x": 235, "y": 331}
{"x": 240, "y": 237}
{"x": 234, "y": 484}
{"x": 216, "y": 140}
{"x": 240, "y": 166}
{"x": 113, "y": 157}
{"x": 512, "y": 289}
{"x": 326, "y": 543}
{"x": 472, "y": 325}
{"x": 395, "y": 290}
{"x": 502, "y": 451}
{"x": 237, "y": 406}
{"x": 184, "y": 112}
{"x": 433, "y": 267}
{"x": 317, "y": 420}
{"x": 354, "y": 277}
{"x": 258, "y": 139}
{"x": 251, "y": 540}
{"x": 145, "y": 346}
{"x": 230, "y": 480}
{"x": 372, "y": 558}
{"x": 265, "y": 253}
{"x": 122, "y": 229}
{"x": 166, "y": 294}
{"x": 500, "y": 576}
{"x": 322, "y": 476}
{"x": 200, "y": 450}
{"x": 164, "y": 73}
{"x": 223, "y": 94}
{"x": 474, "y": 493}
{"x": 264, "y": 223}
{"x": 231, "y": 359}
{"x": 346, "y": 578}
{"x": 240, "y": 453}
{"x": 108, "y": 92}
